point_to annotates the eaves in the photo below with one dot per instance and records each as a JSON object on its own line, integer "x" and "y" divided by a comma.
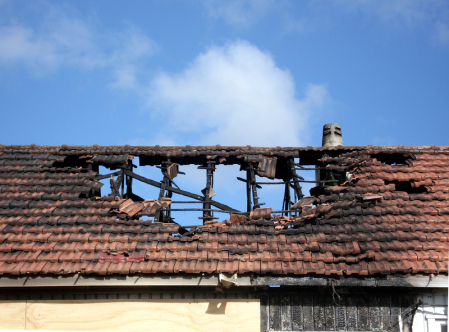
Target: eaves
{"x": 78, "y": 280}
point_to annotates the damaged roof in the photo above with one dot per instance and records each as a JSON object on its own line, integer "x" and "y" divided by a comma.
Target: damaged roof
{"x": 389, "y": 217}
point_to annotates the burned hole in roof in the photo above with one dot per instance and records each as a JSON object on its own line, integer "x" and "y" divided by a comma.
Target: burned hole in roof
{"x": 410, "y": 187}
{"x": 392, "y": 158}
{"x": 178, "y": 189}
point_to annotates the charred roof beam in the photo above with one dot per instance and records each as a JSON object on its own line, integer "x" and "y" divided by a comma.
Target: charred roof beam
{"x": 116, "y": 184}
{"x": 208, "y": 191}
{"x": 178, "y": 191}
{"x": 251, "y": 175}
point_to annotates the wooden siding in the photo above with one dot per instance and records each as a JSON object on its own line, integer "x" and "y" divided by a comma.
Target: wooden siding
{"x": 354, "y": 309}
{"x": 132, "y": 315}
{"x": 13, "y": 315}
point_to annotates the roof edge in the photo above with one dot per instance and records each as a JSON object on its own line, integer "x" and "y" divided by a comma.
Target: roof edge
{"x": 78, "y": 280}
{"x": 129, "y": 148}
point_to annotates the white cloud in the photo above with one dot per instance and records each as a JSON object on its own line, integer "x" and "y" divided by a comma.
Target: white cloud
{"x": 400, "y": 13}
{"x": 130, "y": 48}
{"x": 240, "y": 13}
{"x": 247, "y": 13}
{"x": 60, "y": 40}
{"x": 68, "y": 43}
{"x": 442, "y": 33}
{"x": 233, "y": 95}
{"x": 425, "y": 16}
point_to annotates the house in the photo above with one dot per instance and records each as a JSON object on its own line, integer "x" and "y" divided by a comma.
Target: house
{"x": 367, "y": 250}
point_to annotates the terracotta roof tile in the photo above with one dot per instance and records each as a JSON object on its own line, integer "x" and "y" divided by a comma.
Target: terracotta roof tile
{"x": 227, "y": 267}
{"x": 149, "y": 246}
{"x": 260, "y": 256}
{"x": 365, "y": 226}
{"x": 141, "y": 267}
{"x": 282, "y": 256}
{"x": 271, "y": 267}
{"x": 185, "y": 266}
{"x": 206, "y": 266}
{"x": 208, "y": 246}
{"x": 163, "y": 266}
{"x": 291, "y": 247}
{"x": 196, "y": 255}
{"x": 249, "y": 267}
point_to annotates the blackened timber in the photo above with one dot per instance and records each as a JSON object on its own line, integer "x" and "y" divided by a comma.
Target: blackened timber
{"x": 264, "y": 312}
{"x": 363, "y": 313}
{"x": 296, "y": 303}
{"x": 286, "y": 313}
{"x": 407, "y": 313}
{"x": 129, "y": 183}
{"x": 185, "y": 202}
{"x": 329, "y": 314}
{"x": 163, "y": 168}
{"x": 307, "y": 305}
{"x": 159, "y": 216}
{"x": 178, "y": 191}
{"x": 384, "y": 310}
{"x": 395, "y": 311}
{"x": 252, "y": 174}
{"x": 208, "y": 210}
{"x": 318, "y": 311}
{"x": 351, "y": 312}
{"x": 166, "y": 181}
{"x": 302, "y": 168}
{"x": 169, "y": 194}
{"x": 123, "y": 183}
{"x": 340, "y": 314}
{"x": 438, "y": 281}
{"x": 296, "y": 187}
{"x": 210, "y": 168}
{"x": 374, "y": 312}
{"x": 102, "y": 177}
{"x": 290, "y": 182}
{"x": 287, "y": 201}
{"x": 95, "y": 169}
{"x": 115, "y": 184}
{"x": 248, "y": 191}
{"x": 275, "y": 312}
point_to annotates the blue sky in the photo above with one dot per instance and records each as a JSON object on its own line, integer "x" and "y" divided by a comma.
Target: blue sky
{"x": 261, "y": 72}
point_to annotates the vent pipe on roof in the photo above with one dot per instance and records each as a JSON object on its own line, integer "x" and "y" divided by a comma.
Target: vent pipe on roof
{"x": 332, "y": 135}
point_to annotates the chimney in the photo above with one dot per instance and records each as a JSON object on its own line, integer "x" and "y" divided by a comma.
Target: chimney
{"x": 332, "y": 135}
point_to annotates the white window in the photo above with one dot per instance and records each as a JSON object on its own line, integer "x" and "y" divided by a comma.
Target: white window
{"x": 432, "y": 315}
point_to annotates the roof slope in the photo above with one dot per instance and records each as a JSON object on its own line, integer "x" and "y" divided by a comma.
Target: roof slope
{"x": 387, "y": 219}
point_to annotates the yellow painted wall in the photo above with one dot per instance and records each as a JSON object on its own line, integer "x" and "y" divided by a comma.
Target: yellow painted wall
{"x": 132, "y": 315}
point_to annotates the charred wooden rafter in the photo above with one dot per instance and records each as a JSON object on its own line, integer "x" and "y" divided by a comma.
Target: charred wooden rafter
{"x": 208, "y": 191}
{"x": 116, "y": 184}
{"x": 178, "y": 191}
{"x": 274, "y": 166}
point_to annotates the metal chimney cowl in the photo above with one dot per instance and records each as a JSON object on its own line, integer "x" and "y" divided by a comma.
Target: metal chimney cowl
{"x": 332, "y": 135}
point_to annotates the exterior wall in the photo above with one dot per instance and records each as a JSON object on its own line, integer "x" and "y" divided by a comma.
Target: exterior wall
{"x": 234, "y": 309}
{"x": 432, "y": 315}
{"x": 164, "y": 309}
{"x": 132, "y": 315}
{"x": 349, "y": 309}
